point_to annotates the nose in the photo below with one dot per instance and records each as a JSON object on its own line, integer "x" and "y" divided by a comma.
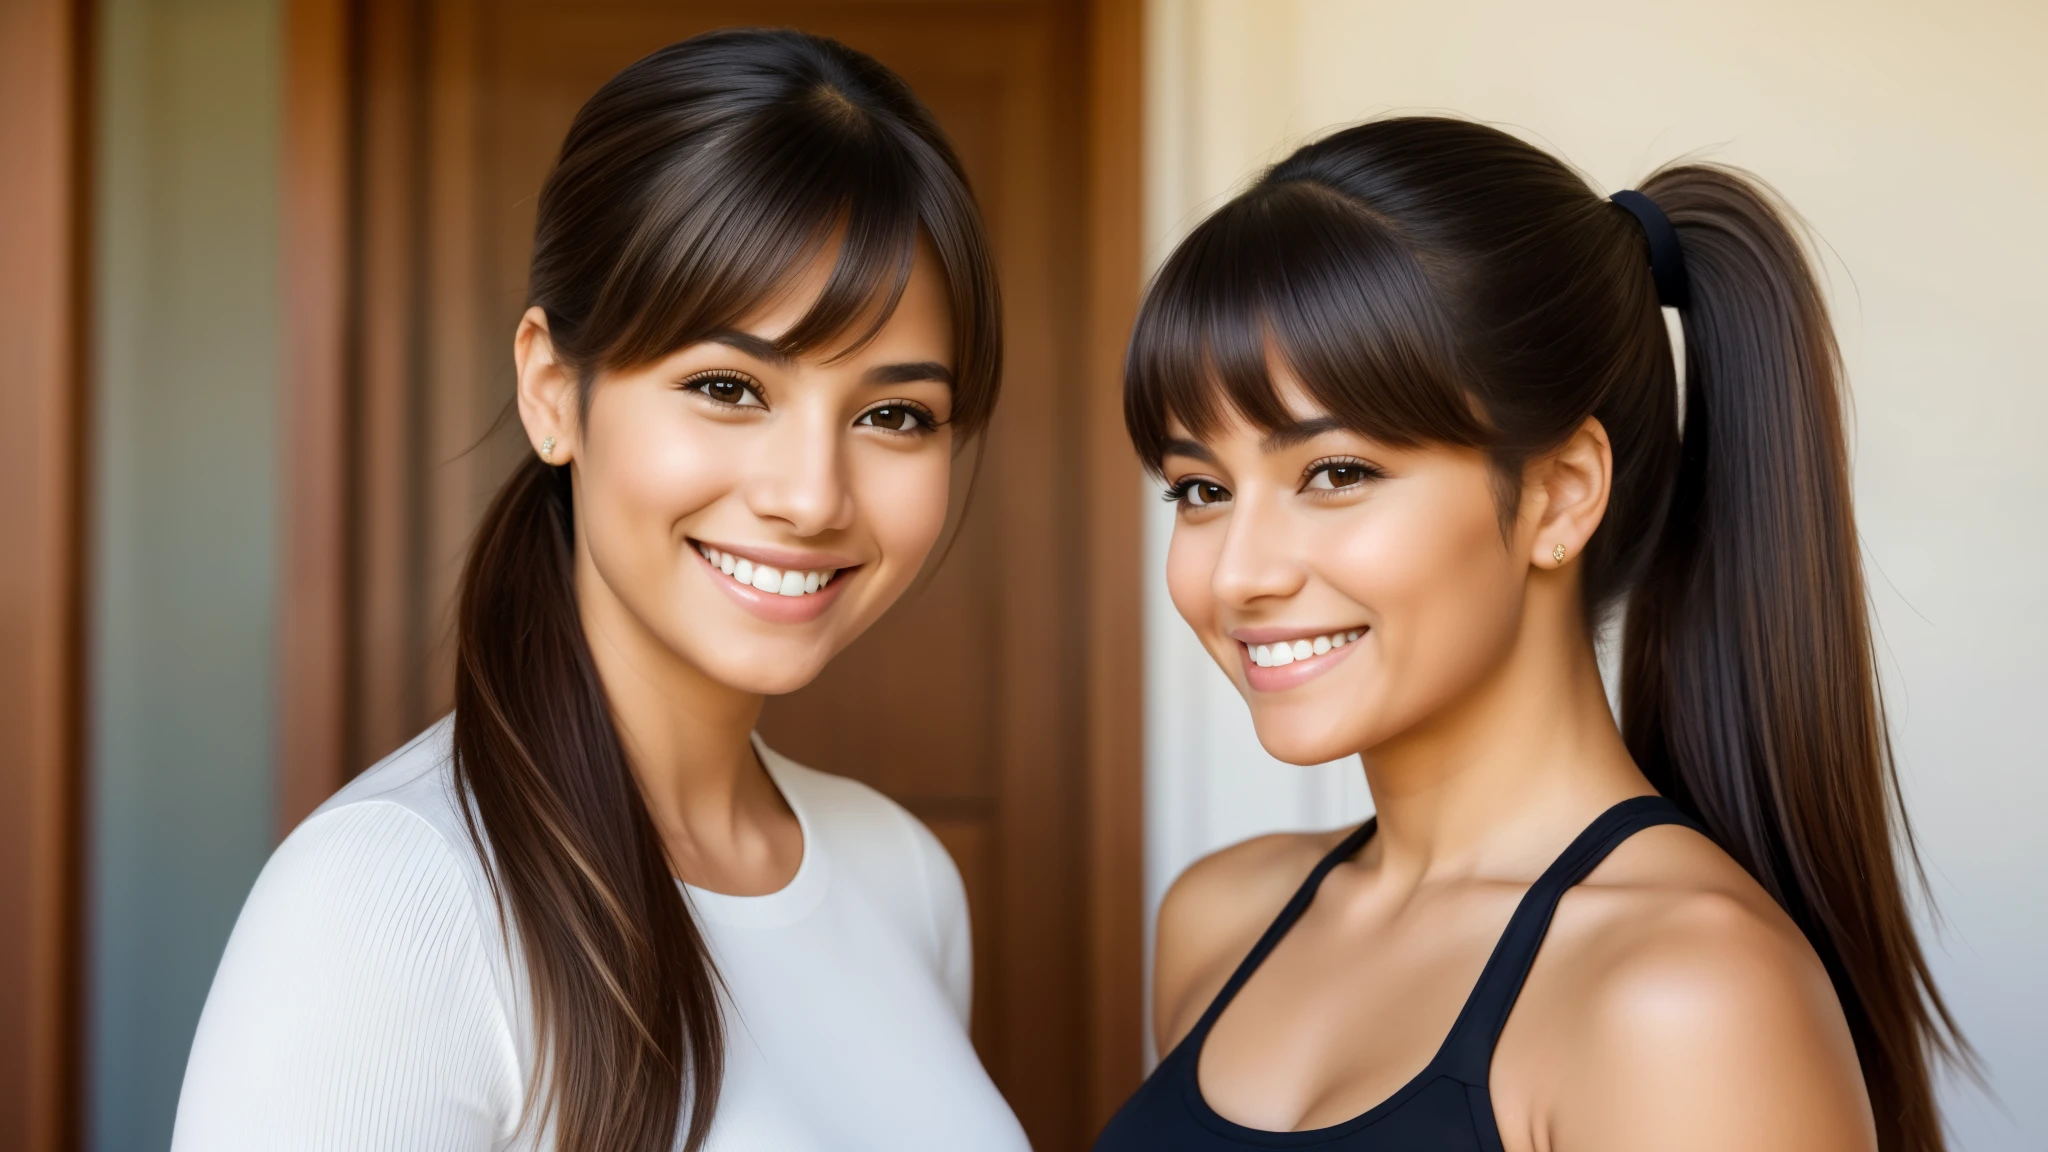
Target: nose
{"x": 799, "y": 476}
{"x": 1257, "y": 560}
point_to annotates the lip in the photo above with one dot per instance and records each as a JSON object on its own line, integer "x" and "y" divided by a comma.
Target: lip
{"x": 1287, "y": 675}
{"x": 771, "y": 606}
{"x": 1274, "y": 632}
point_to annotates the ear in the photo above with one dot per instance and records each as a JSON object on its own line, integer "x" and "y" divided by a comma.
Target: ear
{"x": 547, "y": 391}
{"x": 1565, "y": 495}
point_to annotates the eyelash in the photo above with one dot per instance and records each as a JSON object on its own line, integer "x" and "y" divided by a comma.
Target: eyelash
{"x": 925, "y": 422}
{"x": 697, "y": 381}
{"x": 1177, "y": 492}
{"x": 1367, "y": 472}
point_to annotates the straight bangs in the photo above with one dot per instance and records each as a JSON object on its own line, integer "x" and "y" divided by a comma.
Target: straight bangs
{"x": 728, "y": 225}
{"x": 1294, "y": 280}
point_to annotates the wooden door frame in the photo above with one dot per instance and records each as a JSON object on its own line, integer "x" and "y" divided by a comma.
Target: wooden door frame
{"x": 322, "y": 185}
{"x": 45, "y": 221}
{"x": 1114, "y": 712}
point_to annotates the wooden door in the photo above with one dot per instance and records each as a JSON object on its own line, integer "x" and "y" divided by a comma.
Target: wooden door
{"x": 1007, "y": 677}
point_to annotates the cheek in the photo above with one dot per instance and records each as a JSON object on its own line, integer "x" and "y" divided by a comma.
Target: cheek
{"x": 649, "y": 469}
{"x": 902, "y": 498}
{"x": 1435, "y": 575}
{"x": 1190, "y": 564}
{"x": 1417, "y": 554}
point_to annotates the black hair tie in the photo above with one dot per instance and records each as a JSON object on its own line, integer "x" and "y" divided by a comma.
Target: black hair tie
{"x": 1667, "y": 262}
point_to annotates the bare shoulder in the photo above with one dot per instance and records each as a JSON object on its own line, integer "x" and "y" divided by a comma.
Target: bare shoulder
{"x": 1215, "y": 912}
{"x": 1703, "y": 1017}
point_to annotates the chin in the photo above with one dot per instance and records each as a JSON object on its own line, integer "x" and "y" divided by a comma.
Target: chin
{"x": 765, "y": 674}
{"x": 1306, "y": 736}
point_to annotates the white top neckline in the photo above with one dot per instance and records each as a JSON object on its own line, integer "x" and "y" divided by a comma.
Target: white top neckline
{"x": 794, "y": 900}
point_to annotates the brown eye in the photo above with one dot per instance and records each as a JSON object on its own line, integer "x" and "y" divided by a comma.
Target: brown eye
{"x": 1341, "y": 474}
{"x": 727, "y": 389}
{"x": 1198, "y": 494}
{"x": 894, "y": 418}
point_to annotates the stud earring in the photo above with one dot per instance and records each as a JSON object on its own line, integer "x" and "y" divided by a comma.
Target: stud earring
{"x": 1557, "y": 553}
{"x": 547, "y": 452}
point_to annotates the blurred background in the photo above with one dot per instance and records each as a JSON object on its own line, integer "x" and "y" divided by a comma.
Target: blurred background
{"x": 259, "y": 263}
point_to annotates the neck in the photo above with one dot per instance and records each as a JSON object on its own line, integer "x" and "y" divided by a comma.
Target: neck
{"x": 1503, "y": 777}
{"x": 686, "y": 736}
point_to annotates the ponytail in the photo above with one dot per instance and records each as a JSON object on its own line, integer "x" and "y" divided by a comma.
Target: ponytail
{"x": 624, "y": 995}
{"x": 1749, "y": 688}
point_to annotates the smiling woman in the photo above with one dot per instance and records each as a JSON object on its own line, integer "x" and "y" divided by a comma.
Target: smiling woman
{"x": 1417, "y": 408}
{"x": 592, "y": 910}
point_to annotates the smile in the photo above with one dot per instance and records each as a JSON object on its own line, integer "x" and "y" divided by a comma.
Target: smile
{"x": 790, "y": 582}
{"x": 1285, "y": 652}
{"x": 1275, "y": 665}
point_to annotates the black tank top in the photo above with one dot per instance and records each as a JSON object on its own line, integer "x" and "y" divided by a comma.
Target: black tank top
{"x": 1445, "y": 1108}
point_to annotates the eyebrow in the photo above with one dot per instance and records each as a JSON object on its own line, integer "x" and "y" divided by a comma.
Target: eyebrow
{"x": 908, "y": 372}
{"x": 1279, "y": 439}
{"x": 1192, "y": 449}
{"x": 1299, "y": 432}
{"x": 752, "y": 345}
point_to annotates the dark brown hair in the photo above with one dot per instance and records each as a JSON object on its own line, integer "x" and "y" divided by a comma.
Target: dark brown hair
{"x": 1431, "y": 280}
{"x": 691, "y": 188}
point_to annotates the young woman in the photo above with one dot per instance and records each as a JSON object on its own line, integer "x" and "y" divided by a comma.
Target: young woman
{"x": 1416, "y": 402}
{"x": 590, "y": 910}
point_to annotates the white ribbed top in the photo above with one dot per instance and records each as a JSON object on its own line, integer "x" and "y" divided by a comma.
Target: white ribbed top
{"x": 368, "y": 998}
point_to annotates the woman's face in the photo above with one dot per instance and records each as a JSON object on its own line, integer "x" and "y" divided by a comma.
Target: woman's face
{"x": 752, "y": 513}
{"x": 1351, "y": 590}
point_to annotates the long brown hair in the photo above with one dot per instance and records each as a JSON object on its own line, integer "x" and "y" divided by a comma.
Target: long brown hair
{"x": 689, "y": 190}
{"x": 1431, "y": 280}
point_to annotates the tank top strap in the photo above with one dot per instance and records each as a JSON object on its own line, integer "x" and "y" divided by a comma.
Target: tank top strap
{"x": 1281, "y": 923}
{"x": 1467, "y": 1053}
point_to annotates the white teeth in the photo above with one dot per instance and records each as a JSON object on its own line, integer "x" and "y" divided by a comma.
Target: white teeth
{"x": 1288, "y": 651}
{"x": 764, "y": 578}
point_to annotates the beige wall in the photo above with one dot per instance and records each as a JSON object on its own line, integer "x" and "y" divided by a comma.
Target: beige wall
{"x": 1912, "y": 137}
